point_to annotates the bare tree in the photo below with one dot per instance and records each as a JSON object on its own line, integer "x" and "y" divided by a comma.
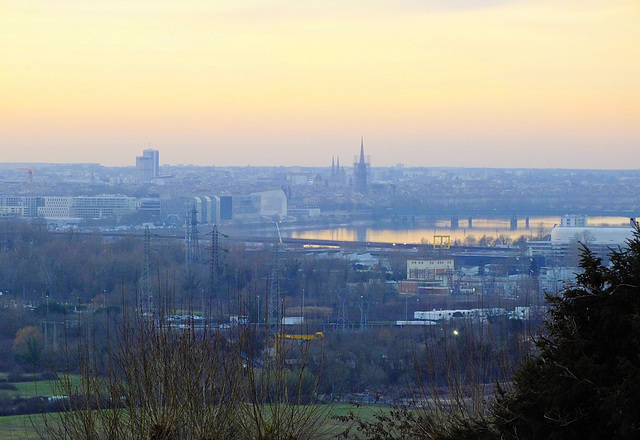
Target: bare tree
{"x": 148, "y": 376}
{"x": 154, "y": 380}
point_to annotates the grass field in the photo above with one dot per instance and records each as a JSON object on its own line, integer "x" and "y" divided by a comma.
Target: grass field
{"x": 21, "y": 427}
{"x": 34, "y": 388}
{"x": 31, "y": 389}
{"x": 365, "y": 412}
{"x": 18, "y": 428}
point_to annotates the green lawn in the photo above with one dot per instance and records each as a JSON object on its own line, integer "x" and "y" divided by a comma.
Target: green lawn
{"x": 18, "y": 428}
{"x": 35, "y": 388}
{"x": 21, "y": 427}
{"x": 366, "y": 412}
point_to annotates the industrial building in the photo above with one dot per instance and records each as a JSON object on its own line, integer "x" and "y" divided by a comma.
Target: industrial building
{"x": 84, "y": 207}
{"x": 254, "y": 207}
{"x": 211, "y": 209}
{"x": 566, "y": 240}
{"x": 174, "y": 209}
{"x": 427, "y": 276}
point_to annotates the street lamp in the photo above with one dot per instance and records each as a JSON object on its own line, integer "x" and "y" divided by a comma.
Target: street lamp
{"x": 406, "y": 308}
{"x": 258, "y": 310}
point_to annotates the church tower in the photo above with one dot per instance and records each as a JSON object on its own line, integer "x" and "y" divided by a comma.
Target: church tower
{"x": 361, "y": 168}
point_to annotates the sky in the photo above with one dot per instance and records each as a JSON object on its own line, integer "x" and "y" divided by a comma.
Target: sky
{"x": 484, "y": 83}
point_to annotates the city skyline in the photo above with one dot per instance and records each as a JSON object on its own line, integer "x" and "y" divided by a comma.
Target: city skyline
{"x": 495, "y": 83}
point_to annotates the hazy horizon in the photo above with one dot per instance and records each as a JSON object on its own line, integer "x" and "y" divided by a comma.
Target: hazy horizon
{"x": 494, "y": 83}
{"x": 12, "y": 165}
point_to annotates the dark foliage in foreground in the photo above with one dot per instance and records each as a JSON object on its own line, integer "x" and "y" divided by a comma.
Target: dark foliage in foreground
{"x": 583, "y": 382}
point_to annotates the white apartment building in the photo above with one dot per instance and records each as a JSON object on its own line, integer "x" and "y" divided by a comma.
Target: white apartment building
{"x": 56, "y": 207}
{"x": 98, "y": 207}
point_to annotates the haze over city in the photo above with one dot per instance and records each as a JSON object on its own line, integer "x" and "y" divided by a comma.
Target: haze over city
{"x": 314, "y": 220}
{"x": 451, "y": 83}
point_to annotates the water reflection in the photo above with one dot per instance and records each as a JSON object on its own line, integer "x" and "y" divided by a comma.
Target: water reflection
{"x": 491, "y": 228}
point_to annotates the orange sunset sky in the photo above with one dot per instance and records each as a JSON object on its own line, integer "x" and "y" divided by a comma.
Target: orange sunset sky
{"x": 499, "y": 83}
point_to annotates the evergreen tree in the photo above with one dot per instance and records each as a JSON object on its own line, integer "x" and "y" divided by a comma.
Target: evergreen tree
{"x": 584, "y": 381}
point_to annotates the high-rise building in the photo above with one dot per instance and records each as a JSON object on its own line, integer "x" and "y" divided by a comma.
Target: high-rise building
{"x": 148, "y": 165}
{"x": 226, "y": 207}
{"x": 155, "y": 160}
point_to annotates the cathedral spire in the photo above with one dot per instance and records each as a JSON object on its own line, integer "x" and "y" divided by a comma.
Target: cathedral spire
{"x": 361, "y": 170}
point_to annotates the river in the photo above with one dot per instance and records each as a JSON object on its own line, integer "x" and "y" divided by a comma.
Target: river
{"x": 424, "y": 233}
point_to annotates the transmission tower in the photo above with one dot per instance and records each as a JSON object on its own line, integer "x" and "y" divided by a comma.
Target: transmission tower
{"x": 363, "y": 305}
{"x": 342, "y": 320}
{"x": 215, "y": 268}
{"x": 274, "y": 292}
{"x": 191, "y": 238}
{"x": 214, "y": 262}
{"x": 145, "y": 276}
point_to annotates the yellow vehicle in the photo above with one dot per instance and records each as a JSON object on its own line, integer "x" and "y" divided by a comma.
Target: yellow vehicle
{"x": 299, "y": 338}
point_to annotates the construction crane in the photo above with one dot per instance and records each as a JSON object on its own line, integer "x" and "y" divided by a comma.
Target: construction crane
{"x": 279, "y": 236}
{"x": 31, "y": 172}
{"x": 299, "y": 338}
